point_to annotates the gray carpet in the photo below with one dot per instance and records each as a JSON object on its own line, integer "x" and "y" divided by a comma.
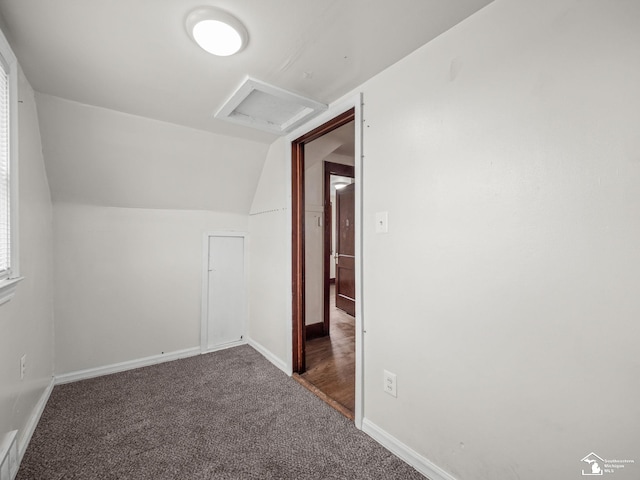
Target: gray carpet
{"x": 224, "y": 415}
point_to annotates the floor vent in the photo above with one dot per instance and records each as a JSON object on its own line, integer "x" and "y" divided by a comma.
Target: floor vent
{"x": 9, "y": 456}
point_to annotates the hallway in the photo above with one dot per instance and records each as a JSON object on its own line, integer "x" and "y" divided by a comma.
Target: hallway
{"x": 331, "y": 359}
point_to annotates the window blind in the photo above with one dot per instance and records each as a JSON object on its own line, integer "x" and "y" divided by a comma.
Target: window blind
{"x": 5, "y": 199}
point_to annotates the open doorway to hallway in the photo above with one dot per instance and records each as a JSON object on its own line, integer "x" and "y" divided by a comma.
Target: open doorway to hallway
{"x": 324, "y": 306}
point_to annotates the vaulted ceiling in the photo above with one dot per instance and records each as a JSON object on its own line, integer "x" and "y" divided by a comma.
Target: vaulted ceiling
{"x": 135, "y": 56}
{"x": 126, "y": 98}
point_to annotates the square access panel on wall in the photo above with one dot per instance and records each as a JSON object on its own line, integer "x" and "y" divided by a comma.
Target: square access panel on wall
{"x": 260, "y": 105}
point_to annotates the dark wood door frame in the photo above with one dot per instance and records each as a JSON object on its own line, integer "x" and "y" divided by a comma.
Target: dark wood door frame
{"x": 297, "y": 231}
{"x": 330, "y": 168}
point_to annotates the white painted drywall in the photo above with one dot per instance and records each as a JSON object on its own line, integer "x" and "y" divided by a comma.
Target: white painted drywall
{"x": 504, "y": 296}
{"x": 128, "y": 281}
{"x": 26, "y": 321}
{"x": 270, "y": 256}
{"x": 133, "y": 197}
{"x": 314, "y": 242}
{"x": 96, "y": 156}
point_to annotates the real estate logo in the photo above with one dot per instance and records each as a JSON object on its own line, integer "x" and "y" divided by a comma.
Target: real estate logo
{"x": 596, "y": 465}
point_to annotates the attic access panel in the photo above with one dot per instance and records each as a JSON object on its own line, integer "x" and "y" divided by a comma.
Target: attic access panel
{"x": 259, "y": 105}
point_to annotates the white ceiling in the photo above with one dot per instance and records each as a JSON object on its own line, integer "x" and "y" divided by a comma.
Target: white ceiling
{"x": 340, "y": 142}
{"x": 135, "y": 56}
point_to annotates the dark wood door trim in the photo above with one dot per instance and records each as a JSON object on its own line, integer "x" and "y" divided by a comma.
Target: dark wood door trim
{"x": 330, "y": 168}
{"x": 297, "y": 231}
{"x": 297, "y": 244}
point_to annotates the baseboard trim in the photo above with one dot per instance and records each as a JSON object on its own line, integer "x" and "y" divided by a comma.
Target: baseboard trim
{"x": 31, "y": 425}
{"x": 9, "y": 454}
{"x": 410, "y": 456}
{"x": 269, "y": 356}
{"x": 217, "y": 348}
{"x": 314, "y": 330}
{"x": 124, "y": 366}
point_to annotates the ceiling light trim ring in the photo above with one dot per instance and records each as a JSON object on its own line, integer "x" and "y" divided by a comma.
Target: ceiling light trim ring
{"x": 211, "y": 14}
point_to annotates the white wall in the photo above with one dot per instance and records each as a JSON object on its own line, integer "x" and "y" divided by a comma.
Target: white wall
{"x": 504, "y": 296}
{"x": 132, "y": 198}
{"x": 270, "y": 258}
{"x": 26, "y": 321}
{"x": 128, "y": 281}
{"x": 314, "y": 242}
{"x": 96, "y": 156}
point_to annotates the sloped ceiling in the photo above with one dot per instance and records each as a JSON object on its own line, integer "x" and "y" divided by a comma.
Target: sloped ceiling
{"x": 135, "y": 56}
{"x": 340, "y": 141}
{"x": 126, "y": 99}
{"x": 102, "y": 157}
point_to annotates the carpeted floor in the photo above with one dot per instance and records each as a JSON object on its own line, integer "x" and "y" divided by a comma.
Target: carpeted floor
{"x": 224, "y": 415}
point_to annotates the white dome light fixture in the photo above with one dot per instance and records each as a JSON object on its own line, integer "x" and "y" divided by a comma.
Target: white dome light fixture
{"x": 216, "y": 31}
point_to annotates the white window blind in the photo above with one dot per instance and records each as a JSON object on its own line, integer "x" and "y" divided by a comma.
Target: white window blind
{"x": 5, "y": 175}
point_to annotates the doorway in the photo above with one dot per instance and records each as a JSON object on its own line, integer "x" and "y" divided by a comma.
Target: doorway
{"x": 345, "y": 245}
{"x": 338, "y": 176}
{"x": 224, "y": 291}
{"x": 324, "y": 337}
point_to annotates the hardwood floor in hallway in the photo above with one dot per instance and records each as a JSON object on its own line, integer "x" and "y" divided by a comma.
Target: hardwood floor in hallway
{"x": 331, "y": 360}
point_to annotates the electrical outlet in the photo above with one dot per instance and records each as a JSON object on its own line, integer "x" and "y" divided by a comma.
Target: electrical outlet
{"x": 23, "y": 365}
{"x": 390, "y": 383}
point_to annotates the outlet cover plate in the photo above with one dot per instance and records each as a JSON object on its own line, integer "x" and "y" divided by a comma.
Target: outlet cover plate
{"x": 390, "y": 383}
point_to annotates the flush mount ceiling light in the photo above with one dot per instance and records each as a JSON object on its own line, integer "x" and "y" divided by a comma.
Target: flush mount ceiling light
{"x": 216, "y": 31}
{"x": 339, "y": 182}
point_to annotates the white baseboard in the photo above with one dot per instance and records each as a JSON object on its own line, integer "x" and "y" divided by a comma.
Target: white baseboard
{"x": 9, "y": 456}
{"x": 123, "y": 366}
{"x": 224, "y": 346}
{"x": 413, "y": 458}
{"x": 31, "y": 425}
{"x": 269, "y": 356}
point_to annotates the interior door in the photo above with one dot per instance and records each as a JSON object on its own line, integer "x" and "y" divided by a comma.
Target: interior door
{"x": 345, "y": 249}
{"x": 226, "y": 302}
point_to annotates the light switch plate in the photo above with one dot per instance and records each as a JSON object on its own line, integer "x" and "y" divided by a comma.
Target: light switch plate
{"x": 382, "y": 222}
